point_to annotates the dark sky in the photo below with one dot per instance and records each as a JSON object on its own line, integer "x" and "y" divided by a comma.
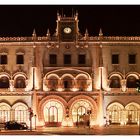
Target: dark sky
{"x": 20, "y": 20}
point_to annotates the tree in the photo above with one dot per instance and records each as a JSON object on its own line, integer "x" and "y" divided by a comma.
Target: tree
{"x": 138, "y": 85}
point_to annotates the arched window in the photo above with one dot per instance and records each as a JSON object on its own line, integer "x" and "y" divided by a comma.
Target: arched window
{"x": 4, "y": 113}
{"x": 82, "y": 83}
{"x": 52, "y": 83}
{"x": 79, "y": 111}
{"x": 115, "y": 113}
{"x": 53, "y": 113}
{"x": 20, "y": 82}
{"x": 131, "y": 82}
{"x": 21, "y": 113}
{"x": 115, "y": 82}
{"x": 4, "y": 82}
{"x": 67, "y": 83}
{"x": 132, "y": 114}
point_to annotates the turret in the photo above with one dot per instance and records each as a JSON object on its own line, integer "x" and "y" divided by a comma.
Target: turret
{"x": 48, "y": 33}
{"x": 86, "y": 34}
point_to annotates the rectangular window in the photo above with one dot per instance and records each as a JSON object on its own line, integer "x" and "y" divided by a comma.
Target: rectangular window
{"x": 81, "y": 59}
{"x": 3, "y": 59}
{"x": 53, "y": 59}
{"x": 67, "y": 59}
{"x": 20, "y": 59}
{"x": 115, "y": 59}
{"x": 132, "y": 59}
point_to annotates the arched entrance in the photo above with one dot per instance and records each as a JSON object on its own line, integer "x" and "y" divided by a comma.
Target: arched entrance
{"x": 53, "y": 113}
{"x": 80, "y": 112}
{"x": 4, "y": 112}
{"x": 20, "y": 112}
{"x": 115, "y": 112}
{"x": 132, "y": 113}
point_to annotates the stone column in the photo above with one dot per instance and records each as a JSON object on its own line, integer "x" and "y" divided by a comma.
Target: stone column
{"x": 12, "y": 85}
{"x": 123, "y": 85}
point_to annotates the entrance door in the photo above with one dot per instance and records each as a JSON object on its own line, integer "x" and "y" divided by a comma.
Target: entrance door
{"x": 81, "y": 112}
{"x": 53, "y": 113}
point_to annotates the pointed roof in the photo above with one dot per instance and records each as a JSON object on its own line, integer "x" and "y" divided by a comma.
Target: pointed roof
{"x": 76, "y": 13}
{"x": 48, "y": 33}
{"x": 100, "y": 57}
{"x": 34, "y": 33}
{"x": 86, "y": 32}
{"x": 100, "y": 32}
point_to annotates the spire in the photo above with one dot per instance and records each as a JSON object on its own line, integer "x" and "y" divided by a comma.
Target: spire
{"x": 48, "y": 33}
{"x": 34, "y": 33}
{"x": 100, "y": 56}
{"x": 86, "y": 32}
{"x": 76, "y": 15}
{"x": 100, "y": 33}
{"x": 57, "y": 13}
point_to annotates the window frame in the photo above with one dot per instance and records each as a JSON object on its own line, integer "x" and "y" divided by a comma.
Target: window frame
{"x": 84, "y": 59}
{"x": 3, "y": 54}
{"x": 64, "y": 59}
{"x": 53, "y": 60}
{"x": 17, "y": 59}
{"x": 115, "y": 60}
{"x": 130, "y": 59}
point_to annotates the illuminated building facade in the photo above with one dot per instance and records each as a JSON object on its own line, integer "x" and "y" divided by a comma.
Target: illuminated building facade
{"x": 68, "y": 78}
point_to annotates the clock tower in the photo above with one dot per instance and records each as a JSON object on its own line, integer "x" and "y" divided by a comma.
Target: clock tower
{"x": 67, "y": 28}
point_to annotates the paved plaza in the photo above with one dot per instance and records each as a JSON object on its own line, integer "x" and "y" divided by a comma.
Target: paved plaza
{"x": 110, "y": 130}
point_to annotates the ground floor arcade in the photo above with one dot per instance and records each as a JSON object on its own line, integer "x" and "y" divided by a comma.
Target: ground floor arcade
{"x": 80, "y": 110}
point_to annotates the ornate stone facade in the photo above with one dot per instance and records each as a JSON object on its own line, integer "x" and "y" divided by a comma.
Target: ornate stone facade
{"x": 68, "y": 78}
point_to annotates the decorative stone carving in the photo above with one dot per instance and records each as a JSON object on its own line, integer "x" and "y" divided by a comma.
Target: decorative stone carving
{"x": 123, "y": 85}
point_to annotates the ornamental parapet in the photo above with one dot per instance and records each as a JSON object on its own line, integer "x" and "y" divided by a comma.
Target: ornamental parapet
{"x": 55, "y": 38}
{"x": 15, "y": 93}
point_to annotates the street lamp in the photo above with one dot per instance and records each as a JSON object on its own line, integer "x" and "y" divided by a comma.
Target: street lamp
{"x": 138, "y": 89}
{"x": 89, "y": 113}
{"x": 35, "y": 121}
{"x": 30, "y": 117}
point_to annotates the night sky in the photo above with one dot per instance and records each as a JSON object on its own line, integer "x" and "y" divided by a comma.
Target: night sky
{"x": 20, "y": 20}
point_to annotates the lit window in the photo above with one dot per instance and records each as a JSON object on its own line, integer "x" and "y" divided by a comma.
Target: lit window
{"x": 53, "y": 112}
{"x": 21, "y": 113}
{"x": 115, "y": 113}
{"x": 4, "y": 113}
{"x": 80, "y": 108}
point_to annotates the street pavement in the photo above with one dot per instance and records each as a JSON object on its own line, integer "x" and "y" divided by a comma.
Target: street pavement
{"x": 109, "y": 130}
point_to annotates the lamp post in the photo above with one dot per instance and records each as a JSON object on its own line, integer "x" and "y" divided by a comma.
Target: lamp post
{"x": 35, "y": 121}
{"x": 67, "y": 114}
{"x": 139, "y": 122}
{"x": 77, "y": 119}
{"x": 138, "y": 90}
{"x": 89, "y": 113}
{"x": 30, "y": 117}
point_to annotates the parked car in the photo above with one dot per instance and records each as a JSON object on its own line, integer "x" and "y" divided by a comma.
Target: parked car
{"x": 13, "y": 125}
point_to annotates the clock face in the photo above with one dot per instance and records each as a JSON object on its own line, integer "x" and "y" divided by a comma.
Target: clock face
{"x": 67, "y": 30}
